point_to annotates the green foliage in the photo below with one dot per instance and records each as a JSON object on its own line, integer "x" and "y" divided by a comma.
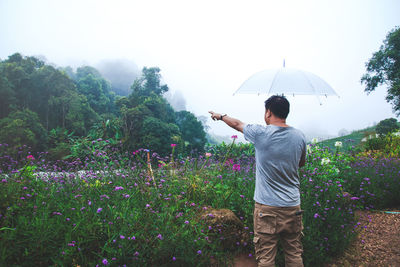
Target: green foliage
{"x": 149, "y": 82}
{"x": 384, "y": 68}
{"x": 97, "y": 90}
{"x": 81, "y": 102}
{"x": 377, "y": 143}
{"x": 23, "y": 128}
{"x": 159, "y": 135}
{"x": 192, "y": 130}
{"x": 387, "y": 126}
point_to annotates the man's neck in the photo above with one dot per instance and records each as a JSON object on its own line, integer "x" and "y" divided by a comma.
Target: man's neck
{"x": 278, "y": 122}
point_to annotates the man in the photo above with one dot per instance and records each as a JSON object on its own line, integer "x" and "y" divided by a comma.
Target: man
{"x": 280, "y": 152}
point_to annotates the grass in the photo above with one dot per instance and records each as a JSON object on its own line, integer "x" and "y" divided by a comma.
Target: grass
{"x": 351, "y": 142}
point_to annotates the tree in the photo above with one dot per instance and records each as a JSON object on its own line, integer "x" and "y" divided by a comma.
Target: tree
{"x": 23, "y": 128}
{"x": 97, "y": 90}
{"x": 149, "y": 82}
{"x": 7, "y": 96}
{"x": 158, "y": 135}
{"x": 192, "y": 130}
{"x": 387, "y": 126}
{"x": 384, "y": 68}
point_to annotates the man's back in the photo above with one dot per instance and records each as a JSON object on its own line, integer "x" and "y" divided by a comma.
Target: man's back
{"x": 279, "y": 151}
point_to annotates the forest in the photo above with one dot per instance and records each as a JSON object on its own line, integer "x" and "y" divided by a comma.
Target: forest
{"x": 61, "y": 110}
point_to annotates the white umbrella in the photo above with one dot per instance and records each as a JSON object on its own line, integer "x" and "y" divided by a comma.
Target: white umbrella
{"x": 286, "y": 81}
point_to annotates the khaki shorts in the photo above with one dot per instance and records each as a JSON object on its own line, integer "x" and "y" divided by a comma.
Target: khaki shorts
{"x": 272, "y": 224}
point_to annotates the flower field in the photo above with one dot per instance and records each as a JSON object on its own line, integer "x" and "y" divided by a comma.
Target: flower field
{"x": 115, "y": 208}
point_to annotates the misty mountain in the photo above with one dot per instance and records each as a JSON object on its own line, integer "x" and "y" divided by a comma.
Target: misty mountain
{"x": 176, "y": 100}
{"x": 121, "y": 73}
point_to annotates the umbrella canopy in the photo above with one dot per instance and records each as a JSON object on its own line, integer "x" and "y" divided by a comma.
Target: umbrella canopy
{"x": 286, "y": 81}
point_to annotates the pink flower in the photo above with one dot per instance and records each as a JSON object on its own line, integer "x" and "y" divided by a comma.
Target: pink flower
{"x": 173, "y": 145}
{"x": 208, "y": 155}
{"x": 236, "y": 167}
{"x": 30, "y": 157}
{"x": 234, "y": 137}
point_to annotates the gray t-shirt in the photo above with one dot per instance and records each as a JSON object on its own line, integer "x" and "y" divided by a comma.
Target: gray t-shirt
{"x": 279, "y": 151}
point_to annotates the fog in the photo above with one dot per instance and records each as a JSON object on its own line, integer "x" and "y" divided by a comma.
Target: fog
{"x": 207, "y": 49}
{"x": 120, "y": 72}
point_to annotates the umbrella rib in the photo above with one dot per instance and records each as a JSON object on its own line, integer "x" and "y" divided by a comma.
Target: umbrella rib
{"x": 273, "y": 81}
{"x": 312, "y": 86}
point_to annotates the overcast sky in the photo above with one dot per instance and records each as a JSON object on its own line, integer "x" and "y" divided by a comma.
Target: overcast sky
{"x": 207, "y": 49}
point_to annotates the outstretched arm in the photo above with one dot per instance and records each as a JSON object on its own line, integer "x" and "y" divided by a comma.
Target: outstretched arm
{"x": 232, "y": 122}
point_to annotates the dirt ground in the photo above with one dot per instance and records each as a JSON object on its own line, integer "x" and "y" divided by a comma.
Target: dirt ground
{"x": 377, "y": 244}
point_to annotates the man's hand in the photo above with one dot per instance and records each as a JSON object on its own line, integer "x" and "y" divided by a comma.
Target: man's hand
{"x": 215, "y": 116}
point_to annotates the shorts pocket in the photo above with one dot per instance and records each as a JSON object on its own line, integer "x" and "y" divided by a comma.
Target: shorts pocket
{"x": 295, "y": 225}
{"x": 265, "y": 223}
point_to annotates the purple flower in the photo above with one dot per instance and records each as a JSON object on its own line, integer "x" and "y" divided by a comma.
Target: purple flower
{"x": 105, "y": 261}
{"x": 99, "y": 210}
{"x": 186, "y": 222}
{"x": 159, "y": 236}
{"x": 173, "y": 258}
{"x": 316, "y": 215}
{"x": 199, "y": 252}
{"x": 118, "y": 188}
{"x": 122, "y": 237}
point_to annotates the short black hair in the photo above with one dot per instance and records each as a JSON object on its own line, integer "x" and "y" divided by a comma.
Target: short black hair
{"x": 278, "y": 105}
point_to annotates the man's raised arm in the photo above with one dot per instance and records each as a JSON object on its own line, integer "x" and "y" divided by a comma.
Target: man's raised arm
{"x": 232, "y": 122}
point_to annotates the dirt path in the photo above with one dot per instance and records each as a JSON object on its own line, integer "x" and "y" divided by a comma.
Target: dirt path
{"x": 378, "y": 243}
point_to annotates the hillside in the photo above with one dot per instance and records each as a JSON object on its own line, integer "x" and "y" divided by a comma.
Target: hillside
{"x": 351, "y": 141}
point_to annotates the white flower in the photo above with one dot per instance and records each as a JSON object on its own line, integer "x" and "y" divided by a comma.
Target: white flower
{"x": 325, "y": 161}
{"x": 337, "y": 170}
{"x": 364, "y": 139}
{"x": 396, "y": 133}
{"x": 314, "y": 140}
{"x": 309, "y": 149}
{"x": 338, "y": 144}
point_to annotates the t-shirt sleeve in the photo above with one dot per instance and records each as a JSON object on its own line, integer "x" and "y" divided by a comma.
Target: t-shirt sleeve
{"x": 250, "y": 132}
